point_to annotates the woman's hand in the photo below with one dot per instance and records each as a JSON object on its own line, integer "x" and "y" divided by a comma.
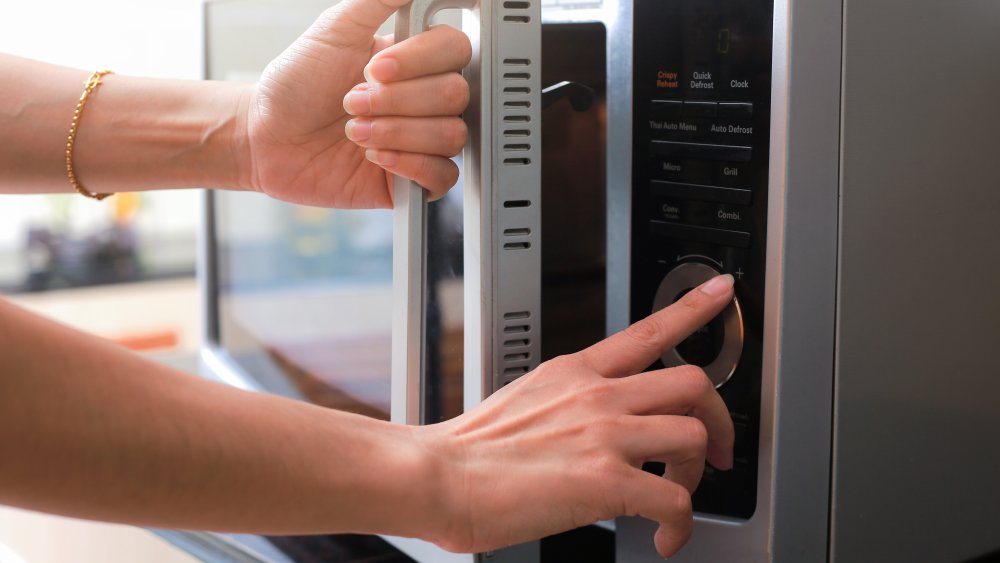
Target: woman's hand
{"x": 563, "y": 446}
{"x": 302, "y": 142}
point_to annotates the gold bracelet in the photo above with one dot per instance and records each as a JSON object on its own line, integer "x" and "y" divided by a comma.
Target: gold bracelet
{"x": 89, "y": 86}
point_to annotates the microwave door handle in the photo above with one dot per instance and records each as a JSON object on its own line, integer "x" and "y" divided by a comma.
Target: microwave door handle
{"x": 409, "y": 253}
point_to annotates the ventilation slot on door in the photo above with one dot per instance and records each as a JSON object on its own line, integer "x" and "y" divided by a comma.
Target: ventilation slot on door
{"x": 520, "y": 357}
{"x": 513, "y": 373}
{"x": 517, "y": 76}
{"x": 517, "y": 90}
{"x": 516, "y": 233}
{"x": 517, "y": 203}
{"x": 516, "y": 343}
{"x": 516, "y": 329}
{"x": 517, "y": 246}
{"x": 513, "y": 12}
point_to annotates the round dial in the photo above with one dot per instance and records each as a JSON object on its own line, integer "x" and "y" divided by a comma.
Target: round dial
{"x": 715, "y": 347}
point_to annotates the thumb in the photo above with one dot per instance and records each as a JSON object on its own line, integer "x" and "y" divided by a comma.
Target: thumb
{"x": 354, "y": 22}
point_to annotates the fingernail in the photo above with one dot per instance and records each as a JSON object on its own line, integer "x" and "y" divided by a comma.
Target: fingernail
{"x": 381, "y": 70}
{"x": 358, "y": 130}
{"x": 717, "y": 285}
{"x": 382, "y": 158}
{"x": 358, "y": 101}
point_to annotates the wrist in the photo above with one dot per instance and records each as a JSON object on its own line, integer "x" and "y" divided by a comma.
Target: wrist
{"x": 419, "y": 496}
{"x": 224, "y": 150}
{"x": 446, "y": 500}
{"x": 241, "y": 173}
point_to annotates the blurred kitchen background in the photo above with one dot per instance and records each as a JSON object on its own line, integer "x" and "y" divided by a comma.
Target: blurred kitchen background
{"x": 122, "y": 268}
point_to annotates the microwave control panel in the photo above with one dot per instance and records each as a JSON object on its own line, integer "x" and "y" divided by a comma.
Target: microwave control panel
{"x": 702, "y": 96}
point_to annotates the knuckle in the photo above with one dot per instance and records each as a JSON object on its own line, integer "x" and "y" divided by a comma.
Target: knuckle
{"x": 692, "y": 300}
{"x": 695, "y": 434}
{"x": 606, "y": 429}
{"x": 423, "y": 170}
{"x": 458, "y": 43}
{"x": 645, "y": 332}
{"x": 596, "y": 391}
{"x": 606, "y": 467}
{"x": 384, "y": 131}
{"x": 455, "y": 92}
{"x": 463, "y": 48}
{"x": 695, "y": 378}
{"x": 381, "y": 99}
{"x": 451, "y": 177}
{"x": 456, "y": 134}
{"x": 559, "y": 364}
{"x": 679, "y": 501}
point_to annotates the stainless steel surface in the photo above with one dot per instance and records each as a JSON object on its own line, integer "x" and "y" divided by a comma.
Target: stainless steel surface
{"x": 790, "y": 524}
{"x": 501, "y": 184}
{"x": 502, "y": 220}
{"x": 799, "y": 396}
{"x": 917, "y": 423}
{"x": 618, "y": 18}
{"x": 688, "y": 276}
{"x": 409, "y": 253}
{"x": 409, "y": 277}
{"x": 223, "y": 548}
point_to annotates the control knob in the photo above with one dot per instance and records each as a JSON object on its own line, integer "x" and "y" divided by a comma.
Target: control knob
{"x": 717, "y": 346}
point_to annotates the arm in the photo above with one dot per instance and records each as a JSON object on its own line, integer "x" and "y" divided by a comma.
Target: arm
{"x": 135, "y": 133}
{"x": 312, "y": 131}
{"x": 92, "y": 431}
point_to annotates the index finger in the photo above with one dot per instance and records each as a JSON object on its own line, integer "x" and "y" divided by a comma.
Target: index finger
{"x": 438, "y": 50}
{"x": 635, "y": 348}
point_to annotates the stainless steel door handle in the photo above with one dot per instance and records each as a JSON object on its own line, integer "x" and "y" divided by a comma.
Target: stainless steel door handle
{"x": 409, "y": 272}
{"x": 502, "y": 223}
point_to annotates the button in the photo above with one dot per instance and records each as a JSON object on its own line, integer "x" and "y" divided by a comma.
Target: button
{"x": 673, "y": 149}
{"x": 665, "y": 109}
{"x": 700, "y": 192}
{"x": 699, "y": 109}
{"x": 735, "y": 110}
{"x": 695, "y": 233}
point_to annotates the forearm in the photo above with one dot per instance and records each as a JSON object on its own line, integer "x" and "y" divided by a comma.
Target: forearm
{"x": 92, "y": 431}
{"x": 134, "y": 133}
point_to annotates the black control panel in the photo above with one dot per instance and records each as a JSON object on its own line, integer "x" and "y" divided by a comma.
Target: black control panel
{"x": 701, "y": 115}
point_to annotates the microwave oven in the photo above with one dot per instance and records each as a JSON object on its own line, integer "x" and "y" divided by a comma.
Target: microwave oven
{"x": 836, "y": 157}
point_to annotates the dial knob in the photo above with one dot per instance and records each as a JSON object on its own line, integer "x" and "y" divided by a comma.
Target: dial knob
{"x": 717, "y": 346}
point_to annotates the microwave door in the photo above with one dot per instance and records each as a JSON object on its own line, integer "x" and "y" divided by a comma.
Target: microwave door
{"x": 494, "y": 217}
